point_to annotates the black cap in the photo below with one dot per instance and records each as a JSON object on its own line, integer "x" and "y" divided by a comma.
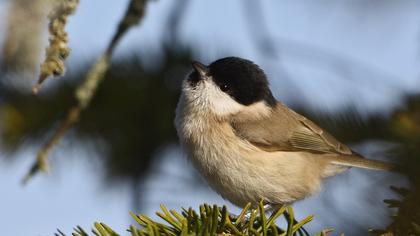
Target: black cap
{"x": 243, "y": 80}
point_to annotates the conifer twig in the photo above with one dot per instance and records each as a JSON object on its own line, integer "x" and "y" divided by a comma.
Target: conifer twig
{"x": 86, "y": 90}
{"x": 209, "y": 220}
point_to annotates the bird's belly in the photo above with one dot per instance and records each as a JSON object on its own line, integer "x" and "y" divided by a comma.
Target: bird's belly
{"x": 242, "y": 176}
{"x": 233, "y": 181}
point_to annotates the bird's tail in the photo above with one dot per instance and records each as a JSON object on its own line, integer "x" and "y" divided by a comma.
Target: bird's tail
{"x": 356, "y": 161}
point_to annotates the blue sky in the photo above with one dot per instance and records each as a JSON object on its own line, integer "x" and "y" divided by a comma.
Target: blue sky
{"x": 374, "y": 45}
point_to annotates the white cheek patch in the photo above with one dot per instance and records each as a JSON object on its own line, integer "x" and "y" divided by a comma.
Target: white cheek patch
{"x": 207, "y": 97}
{"x": 221, "y": 103}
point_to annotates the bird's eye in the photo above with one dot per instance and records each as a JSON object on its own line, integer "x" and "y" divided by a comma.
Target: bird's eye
{"x": 224, "y": 87}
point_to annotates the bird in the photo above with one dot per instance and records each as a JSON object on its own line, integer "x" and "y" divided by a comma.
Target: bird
{"x": 249, "y": 146}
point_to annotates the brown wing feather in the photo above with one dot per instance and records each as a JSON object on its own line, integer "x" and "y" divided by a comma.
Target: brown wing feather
{"x": 286, "y": 130}
{"x": 318, "y": 139}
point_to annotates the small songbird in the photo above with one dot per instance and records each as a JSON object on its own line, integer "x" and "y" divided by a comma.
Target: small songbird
{"x": 250, "y": 147}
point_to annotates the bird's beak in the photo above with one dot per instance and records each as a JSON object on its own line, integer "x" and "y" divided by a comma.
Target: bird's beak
{"x": 200, "y": 69}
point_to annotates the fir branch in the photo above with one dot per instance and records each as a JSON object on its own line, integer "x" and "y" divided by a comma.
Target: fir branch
{"x": 406, "y": 221}
{"x": 211, "y": 220}
{"x": 86, "y": 91}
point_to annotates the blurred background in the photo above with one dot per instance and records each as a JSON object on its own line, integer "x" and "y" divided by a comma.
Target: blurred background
{"x": 352, "y": 66}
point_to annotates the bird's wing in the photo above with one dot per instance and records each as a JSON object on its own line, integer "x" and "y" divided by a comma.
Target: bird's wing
{"x": 286, "y": 130}
{"x": 311, "y": 137}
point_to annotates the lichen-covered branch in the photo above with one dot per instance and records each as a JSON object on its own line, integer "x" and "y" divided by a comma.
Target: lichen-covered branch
{"x": 58, "y": 49}
{"x": 86, "y": 91}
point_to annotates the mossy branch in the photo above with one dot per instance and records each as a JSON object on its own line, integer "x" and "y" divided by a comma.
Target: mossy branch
{"x": 86, "y": 91}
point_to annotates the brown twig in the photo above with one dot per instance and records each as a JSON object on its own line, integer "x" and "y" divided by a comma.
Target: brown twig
{"x": 86, "y": 90}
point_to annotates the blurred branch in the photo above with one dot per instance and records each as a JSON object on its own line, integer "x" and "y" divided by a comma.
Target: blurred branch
{"x": 58, "y": 49}
{"x": 346, "y": 67}
{"x": 407, "y": 219}
{"x": 174, "y": 20}
{"x": 86, "y": 91}
{"x": 22, "y": 45}
{"x": 126, "y": 152}
{"x": 253, "y": 14}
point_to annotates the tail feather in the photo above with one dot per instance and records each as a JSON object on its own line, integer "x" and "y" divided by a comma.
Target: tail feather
{"x": 356, "y": 161}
